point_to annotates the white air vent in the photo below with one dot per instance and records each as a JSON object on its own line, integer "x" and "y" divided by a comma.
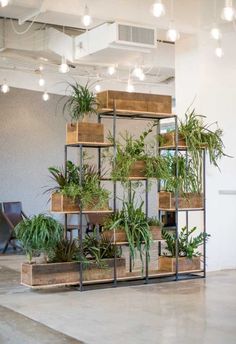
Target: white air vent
{"x": 134, "y": 34}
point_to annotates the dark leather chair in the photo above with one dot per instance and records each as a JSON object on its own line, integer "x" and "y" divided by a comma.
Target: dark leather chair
{"x": 95, "y": 220}
{"x": 13, "y": 214}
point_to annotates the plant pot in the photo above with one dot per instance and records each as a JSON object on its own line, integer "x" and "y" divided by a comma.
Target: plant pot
{"x": 168, "y": 140}
{"x": 140, "y": 102}
{"x": 61, "y": 203}
{"x": 138, "y": 169}
{"x": 83, "y": 132}
{"x": 168, "y": 264}
{"x": 36, "y": 275}
{"x": 117, "y": 235}
{"x": 156, "y": 232}
{"x": 167, "y": 200}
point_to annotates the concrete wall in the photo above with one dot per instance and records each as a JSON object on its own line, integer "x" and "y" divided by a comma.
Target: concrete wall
{"x": 201, "y": 75}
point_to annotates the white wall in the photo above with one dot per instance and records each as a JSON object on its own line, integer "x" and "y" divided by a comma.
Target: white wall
{"x": 200, "y": 74}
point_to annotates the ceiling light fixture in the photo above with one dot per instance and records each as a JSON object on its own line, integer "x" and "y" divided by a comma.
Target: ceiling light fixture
{"x": 4, "y": 3}
{"x": 228, "y": 11}
{"x": 158, "y": 9}
{"x": 130, "y": 86}
{"x": 41, "y": 67}
{"x": 5, "y": 88}
{"x": 64, "y": 68}
{"x": 86, "y": 19}
{"x": 111, "y": 70}
{"x": 41, "y": 81}
{"x": 45, "y": 96}
{"x": 138, "y": 72}
{"x": 219, "y": 51}
{"x": 216, "y": 33}
{"x": 98, "y": 88}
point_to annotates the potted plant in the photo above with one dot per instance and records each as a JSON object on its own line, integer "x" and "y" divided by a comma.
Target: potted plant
{"x": 187, "y": 184}
{"x": 188, "y": 257}
{"x": 69, "y": 194}
{"x": 133, "y": 222}
{"x": 195, "y": 135}
{"x": 81, "y": 104}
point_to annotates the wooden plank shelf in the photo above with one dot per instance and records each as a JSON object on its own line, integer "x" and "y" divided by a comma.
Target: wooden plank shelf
{"x": 84, "y": 212}
{"x": 91, "y": 144}
{"x": 133, "y": 114}
{"x": 181, "y": 209}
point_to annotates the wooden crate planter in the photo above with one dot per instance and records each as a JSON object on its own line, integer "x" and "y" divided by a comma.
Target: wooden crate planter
{"x": 135, "y": 101}
{"x": 189, "y": 200}
{"x": 168, "y": 140}
{"x": 120, "y": 236}
{"x": 138, "y": 169}
{"x": 84, "y": 132}
{"x": 38, "y": 275}
{"x": 61, "y": 203}
{"x": 168, "y": 264}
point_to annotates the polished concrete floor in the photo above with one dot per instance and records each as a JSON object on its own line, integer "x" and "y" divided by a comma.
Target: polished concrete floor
{"x": 187, "y": 312}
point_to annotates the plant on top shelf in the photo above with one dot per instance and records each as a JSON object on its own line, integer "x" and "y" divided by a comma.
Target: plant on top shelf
{"x": 135, "y": 158}
{"x": 39, "y": 234}
{"x": 89, "y": 193}
{"x": 199, "y": 135}
{"x": 153, "y": 221}
{"x": 81, "y": 103}
{"x": 134, "y": 222}
{"x": 187, "y": 243}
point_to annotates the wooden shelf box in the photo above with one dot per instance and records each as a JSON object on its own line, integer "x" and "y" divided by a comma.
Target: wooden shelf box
{"x": 68, "y": 273}
{"x": 84, "y": 132}
{"x": 188, "y": 200}
{"x": 168, "y": 140}
{"x": 168, "y": 264}
{"x": 138, "y": 169}
{"x": 135, "y": 101}
{"x": 119, "y": 235}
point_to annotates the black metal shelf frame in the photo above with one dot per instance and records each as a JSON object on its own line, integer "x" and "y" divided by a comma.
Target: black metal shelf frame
{"x": 177, "y": 275}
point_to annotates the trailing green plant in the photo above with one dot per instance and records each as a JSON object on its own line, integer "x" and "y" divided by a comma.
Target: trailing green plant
{"x": 81, "y": 102}
{"x": 153, "y": 221}
{"x": 89, "y": 192}
{"x": 38, "y": 234}
{"x": 187, "y": 243}
{"x": 135, "y": 224}
{"x": 199, "y": 135}
{"x": 97, "y": 249}
{"x": 64, "y": 251}
{"x": 187, "y": 180}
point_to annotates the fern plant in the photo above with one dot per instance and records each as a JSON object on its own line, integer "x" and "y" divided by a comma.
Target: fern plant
{"x": 187, "y": 243}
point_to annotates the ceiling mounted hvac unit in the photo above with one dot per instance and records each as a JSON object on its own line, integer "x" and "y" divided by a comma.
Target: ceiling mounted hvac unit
{"x": 121, "y": 36}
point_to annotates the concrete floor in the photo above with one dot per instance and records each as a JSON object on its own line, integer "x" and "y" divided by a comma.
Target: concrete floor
{"x": 197, "y": 311}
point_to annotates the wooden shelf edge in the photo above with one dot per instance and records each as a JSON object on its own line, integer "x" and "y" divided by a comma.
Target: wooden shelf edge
{"x": 134, "y": 112}
{"x": 90, "y": 144}
{"x": 84, "y": 212}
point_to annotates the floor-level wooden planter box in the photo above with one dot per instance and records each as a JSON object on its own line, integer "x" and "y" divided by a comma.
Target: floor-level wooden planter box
{"x": 167, "y": 200}
{"x": 61, "y": 203}
{"x": 135, "y": 101}
{"x": 138, "y": 169}
{"x": 119, "y": 235}
{"x": 36, "y": 275}
{"x": 84, "y": 132}
{"x": 168, "y": 140}
{"x": 184, "y": 264}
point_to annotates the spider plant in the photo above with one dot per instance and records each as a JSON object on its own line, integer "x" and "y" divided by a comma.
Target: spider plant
{"x": 199, "y": 135}
{"x": 81, "y": 102}
{"x": 38, "y": 234}
{"x": 64, "y": 251}
{"x": 135, "y": 224}
{"x": 187, "y": 243}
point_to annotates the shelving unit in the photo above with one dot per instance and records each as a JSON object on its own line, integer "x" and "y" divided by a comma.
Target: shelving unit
{"x": 149, "y": 275}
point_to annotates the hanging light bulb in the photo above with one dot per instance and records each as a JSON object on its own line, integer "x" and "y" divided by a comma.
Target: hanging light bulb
{"x": 64, "y": 68}
{"x": 172, "y": 34}
{"x": 41, "y": 67}
{"x": 130, "y": 86}
{"x": 219, "y": 52}
{"x": 228, "y": 11}
{"x": 158, "y": 9}
{"x": 111, "y": 70}
{"x": 142, "y": 77}
{"x": 98, "y": 88}
{"x": 86, "y": 19}
{"x": 41, "y": 81}
{"x": 4, "y": 3}
{"x": 5, "y": 88}
{"x": 45, "y": 96}
{"x": 216, "y": 33}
